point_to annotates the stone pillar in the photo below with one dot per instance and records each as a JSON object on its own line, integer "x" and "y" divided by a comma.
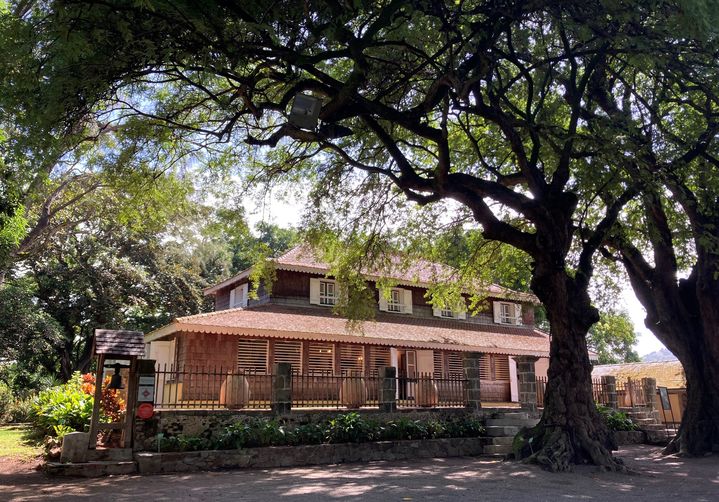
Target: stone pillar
{"x": 472, "y": 393}
{"x": 609, "y": 389}
{"x": 281, "y": 388}
{"x": 527, "y": 381}
{"x": 649, "y": 386}
{"x": 388, "y": 389}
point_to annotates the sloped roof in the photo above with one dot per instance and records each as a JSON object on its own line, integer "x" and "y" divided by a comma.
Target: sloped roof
{"x": 667, "y": 373}
{"x": 119, "y": 342}
{"x": 418, "y": 273}
{"x": 276, "y": 321}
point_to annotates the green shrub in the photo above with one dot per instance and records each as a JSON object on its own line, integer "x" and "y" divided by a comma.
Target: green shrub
{"x": 65, "y": 405}
{"x": 350, "y": 428}
{"x": 616, "y": 420}
{"x": 20, "y": 410}
{"x": 6, "y": 401}
{"x": 183, "y": 443}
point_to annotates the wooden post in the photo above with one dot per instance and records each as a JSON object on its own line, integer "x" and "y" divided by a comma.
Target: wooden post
{"x": 126, "y": 439}
{"x": 94, "y": 421}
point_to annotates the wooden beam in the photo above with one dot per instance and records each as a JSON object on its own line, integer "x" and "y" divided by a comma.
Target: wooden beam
{"x": 94, "y": 421}
{"x": 132, "y": 386}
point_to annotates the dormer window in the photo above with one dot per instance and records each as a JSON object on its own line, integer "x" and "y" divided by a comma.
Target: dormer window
{"x": 323, "y": 292}
{"x": 447, "y": 313}
{"x": 507, "y": 313}
{"x": 328, "y": 292}
{"x": 399, "y": 301}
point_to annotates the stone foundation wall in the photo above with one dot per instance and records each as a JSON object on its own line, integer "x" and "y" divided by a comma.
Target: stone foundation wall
{"x": 291, "y": 456}
{"x": 210, "y": 423}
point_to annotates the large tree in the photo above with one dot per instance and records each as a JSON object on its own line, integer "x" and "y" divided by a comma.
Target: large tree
{"x": 486, "y": 103}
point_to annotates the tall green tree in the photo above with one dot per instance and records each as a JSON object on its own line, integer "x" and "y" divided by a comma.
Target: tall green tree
{"x": 491, "y": 104}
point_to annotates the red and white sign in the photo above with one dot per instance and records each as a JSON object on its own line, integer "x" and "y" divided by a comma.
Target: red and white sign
{"x": 145, "y": 411}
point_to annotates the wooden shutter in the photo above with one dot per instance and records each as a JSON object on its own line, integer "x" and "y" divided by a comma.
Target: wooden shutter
{"x": 438, "y": 364}
{"x": 501, "y": 367}
{"x": 517, "y": 313}
{"x": 455, "y": 366}
{"x": 379, "y": 357}
{"x": 320, "y": 357}
{"x": 351, "y": 358}
{"x": 406, "y": 301}
{"x": 485, "y": 368}
{"x": 252, "y": 355}
{"x": 245, "y": 289}
{"x": 233, "y": 291}
{"x": 497, "y": 307}
{"x": 289, "y": 351}
{"x": 382, "y": 302}
{"x": 314, "y": 291}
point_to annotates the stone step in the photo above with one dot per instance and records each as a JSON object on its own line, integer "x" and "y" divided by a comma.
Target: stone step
{"x": 642, "y": 421}
{"x": 502, "y": 430}
{"x": 513, "y": 422}
{"x": 503, "y": 440}
{"x": 110, "y": 454}
{"x": 498, "y": 449}
{"x": 652, "y": 427}
{"x": 523, "y": 415}
{"x": 94, "y": 469}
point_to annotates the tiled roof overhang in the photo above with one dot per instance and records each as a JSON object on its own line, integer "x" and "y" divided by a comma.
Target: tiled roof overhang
{"x": 396, "y": 330}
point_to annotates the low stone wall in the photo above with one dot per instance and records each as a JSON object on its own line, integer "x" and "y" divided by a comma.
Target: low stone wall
{"x": 210, "y": 423}
{"x": 293, "y": 456}
{"x": 629, "y": 437}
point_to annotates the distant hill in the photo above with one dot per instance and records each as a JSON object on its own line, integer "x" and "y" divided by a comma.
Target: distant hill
{"x": 659, "y": 355}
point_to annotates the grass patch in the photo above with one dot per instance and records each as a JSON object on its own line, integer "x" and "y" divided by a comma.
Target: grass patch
{"x": 15, "y": 443}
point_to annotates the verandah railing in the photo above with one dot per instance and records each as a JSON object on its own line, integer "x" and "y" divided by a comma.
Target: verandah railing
{"x": 223, "y": 388}
{"x": 599, "y": 391}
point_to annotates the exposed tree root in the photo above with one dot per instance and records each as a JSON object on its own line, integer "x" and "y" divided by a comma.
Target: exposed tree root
{"x": 556, "y": 450}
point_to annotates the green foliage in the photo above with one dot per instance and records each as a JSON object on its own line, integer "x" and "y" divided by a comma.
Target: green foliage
{"x": 65, "y": 407}
{"x": 616, "y": 420}
{"x": 613, "y": 338}
{"x": 6, "y": 401}
{"x": 350, "y": 427}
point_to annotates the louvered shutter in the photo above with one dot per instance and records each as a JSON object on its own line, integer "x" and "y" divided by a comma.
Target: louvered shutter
{"x": 438, "y": 364}
{"x": 455, "y": 366}
{"x": 245, "y": 289}
{"x": 351, "y": 358}
{"x": 289, "y": 351}
{"x": 320, "y": 357}
{"x": 252, "y": 355}
{"x": 232, "y": 297}
{"x": 497, "y": 306}
{"x": 517, "y": 313}
{"x": 501, "y": 368}
{"x": 406, "y": 301}
{"x": 485, "y": 368}
{"x": 314, "y": 291}
{"x": 379, "y": 357}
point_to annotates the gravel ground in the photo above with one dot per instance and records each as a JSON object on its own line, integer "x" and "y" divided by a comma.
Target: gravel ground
{"x": 656, "y": 478}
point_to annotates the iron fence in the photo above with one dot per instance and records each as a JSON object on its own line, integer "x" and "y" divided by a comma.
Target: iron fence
{"x": 223, "y": 388}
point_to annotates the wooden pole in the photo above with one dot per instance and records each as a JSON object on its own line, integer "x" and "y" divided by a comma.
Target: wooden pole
{"x": 94, "y": 421}
{"x": 126, "y": 440}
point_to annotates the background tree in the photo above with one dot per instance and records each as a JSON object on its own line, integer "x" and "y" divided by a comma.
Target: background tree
{"x": 613, "y": 339}
{"x": 489, "y": 104}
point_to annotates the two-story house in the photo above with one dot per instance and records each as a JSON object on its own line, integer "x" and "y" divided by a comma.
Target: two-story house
{"x": 293, "y": 321}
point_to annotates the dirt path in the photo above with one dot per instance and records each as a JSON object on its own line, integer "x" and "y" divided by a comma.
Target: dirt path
{"x": 658, "y": 478}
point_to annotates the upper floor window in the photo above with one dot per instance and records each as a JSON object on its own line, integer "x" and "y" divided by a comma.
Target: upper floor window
{"x": 328, "y": 292}
{"x": 448, "y": 313}
{"x": 323, "y": 292}
{"x": 507, "y": 313}
{"x": 398, "y": 301}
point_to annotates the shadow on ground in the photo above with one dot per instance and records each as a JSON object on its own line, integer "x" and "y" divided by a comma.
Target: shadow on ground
{"x": 656, "y": 477}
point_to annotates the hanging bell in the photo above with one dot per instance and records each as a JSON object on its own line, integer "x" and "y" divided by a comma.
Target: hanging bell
{"x": 116, "y": 379}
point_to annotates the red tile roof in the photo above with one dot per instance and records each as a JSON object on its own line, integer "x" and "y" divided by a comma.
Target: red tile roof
{"x": 418, "y": 273}
{"x": 316, "y": 323}
{"x": 667, "y": 373}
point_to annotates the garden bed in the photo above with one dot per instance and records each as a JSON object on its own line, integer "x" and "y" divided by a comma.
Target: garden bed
{"x": 294, "y": 456}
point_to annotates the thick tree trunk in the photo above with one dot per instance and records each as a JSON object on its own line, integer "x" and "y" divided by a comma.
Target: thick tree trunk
{"x": 571, "y": 431}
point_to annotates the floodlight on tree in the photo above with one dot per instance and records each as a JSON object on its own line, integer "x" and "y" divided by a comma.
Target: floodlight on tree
{"x": 305, "y": 111}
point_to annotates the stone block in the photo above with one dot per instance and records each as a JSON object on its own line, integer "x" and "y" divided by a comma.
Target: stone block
{"x": 74, "y": 447}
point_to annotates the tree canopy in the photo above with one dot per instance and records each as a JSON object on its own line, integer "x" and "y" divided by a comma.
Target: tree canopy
{"x": 515, "y": 117}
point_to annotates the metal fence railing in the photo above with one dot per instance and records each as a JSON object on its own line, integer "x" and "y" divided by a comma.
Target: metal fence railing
{"x": 222, "y": 388}
{"x": 599, "y": 391}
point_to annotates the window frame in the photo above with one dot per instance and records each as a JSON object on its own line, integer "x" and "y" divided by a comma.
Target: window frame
{"x": 325, "y": 298}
